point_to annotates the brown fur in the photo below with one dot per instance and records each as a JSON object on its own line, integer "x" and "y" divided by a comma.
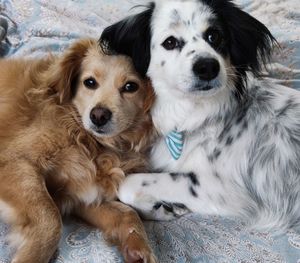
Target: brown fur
{"x": 51, "y": 163}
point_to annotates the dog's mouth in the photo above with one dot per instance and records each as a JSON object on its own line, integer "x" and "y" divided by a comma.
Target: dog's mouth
{"x": 99, "y": 130}
{"x": 105, "y": 131}
{"x": 208, "y": 87}
{"x": 204, "y": 88}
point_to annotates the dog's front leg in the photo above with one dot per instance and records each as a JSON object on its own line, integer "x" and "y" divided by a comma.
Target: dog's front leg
{"x": 161, "y": 196}
{"x": 34, "y": 218}
{"x": 121, "y": 226}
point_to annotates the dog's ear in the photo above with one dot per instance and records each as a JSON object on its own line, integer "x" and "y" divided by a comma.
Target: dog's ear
{"x": 250, "y": 42}
{"x": 64, "y": 75}
{"x": 131, "y": 37}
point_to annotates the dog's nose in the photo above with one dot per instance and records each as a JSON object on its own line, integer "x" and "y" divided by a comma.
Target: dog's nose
{"x": 206, "y": 68}
{"x": 100, "y": 116}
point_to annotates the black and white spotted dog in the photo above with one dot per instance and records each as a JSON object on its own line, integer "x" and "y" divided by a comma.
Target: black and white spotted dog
{"x": 229, "y": 143}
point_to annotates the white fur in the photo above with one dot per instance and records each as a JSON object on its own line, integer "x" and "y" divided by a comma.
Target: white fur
{"x": 6, "y": 211}
{"x": 90, "y": 195}
{"x": 225, "y": 185}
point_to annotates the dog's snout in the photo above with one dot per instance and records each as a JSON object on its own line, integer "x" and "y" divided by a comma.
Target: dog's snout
{"x": 100, "y": 116}
{"x": 206, "y": 68}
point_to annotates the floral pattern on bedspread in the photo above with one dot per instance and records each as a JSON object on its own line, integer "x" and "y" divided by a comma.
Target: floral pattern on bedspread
{"x": 191, "y": 239}
{"x": 40, "y": 26}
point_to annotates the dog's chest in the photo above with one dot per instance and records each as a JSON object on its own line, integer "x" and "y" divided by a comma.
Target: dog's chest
{"x": 208, "y": 149}
{"x": 71, "y": 178}
{"x": 195, "y": 146}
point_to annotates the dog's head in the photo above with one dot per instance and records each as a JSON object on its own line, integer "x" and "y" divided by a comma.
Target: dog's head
{"x": 107, "y": 92}
{"x": 194, "y": 47}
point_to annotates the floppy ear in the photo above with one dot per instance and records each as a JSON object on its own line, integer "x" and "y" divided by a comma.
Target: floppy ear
{"x": 64, "y": 75}
{"x": 131, "y": 37}
{"x": 250, "y": 42}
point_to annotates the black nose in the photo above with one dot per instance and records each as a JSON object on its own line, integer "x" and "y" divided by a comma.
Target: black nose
{"x": 206, "y": 68}
{"x": 100, "y": 116}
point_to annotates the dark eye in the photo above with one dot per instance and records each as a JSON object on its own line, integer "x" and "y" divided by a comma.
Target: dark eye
{"x": 214, "y": 37}
{"x": 130, "y": 87}
{"x": 90, "y": 83}
{"x": 170, "y": 43}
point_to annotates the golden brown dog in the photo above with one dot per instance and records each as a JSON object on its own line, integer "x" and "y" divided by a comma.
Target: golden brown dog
{"x": 70, "y": 128}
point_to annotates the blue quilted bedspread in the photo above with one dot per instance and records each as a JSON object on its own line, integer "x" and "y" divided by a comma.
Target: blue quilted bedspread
{"x": 40, "y": 26}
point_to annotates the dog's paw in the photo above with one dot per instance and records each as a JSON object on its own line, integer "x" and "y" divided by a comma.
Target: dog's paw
{"x": 142, "y": 202}
{"x": 169, "y": 211}
{"x": 111, "y": 182}
{"x": 137, "y": 250}
{"x": 144, "y": 199}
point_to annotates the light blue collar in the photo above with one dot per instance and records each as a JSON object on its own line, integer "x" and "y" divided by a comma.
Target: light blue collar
{"x": 175, "y": 141}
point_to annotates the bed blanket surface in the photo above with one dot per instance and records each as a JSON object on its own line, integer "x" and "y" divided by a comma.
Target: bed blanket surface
{"x": 40, "y": 26}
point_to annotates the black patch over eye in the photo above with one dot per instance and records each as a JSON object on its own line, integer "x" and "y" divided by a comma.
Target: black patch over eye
{"x": 213, "y": 37}
{"x": 130, "y": 87}
{"x": 90, "y": 83}
{"x": 171, "y": 43}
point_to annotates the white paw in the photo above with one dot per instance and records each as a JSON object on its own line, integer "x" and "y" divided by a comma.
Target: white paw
{"x": 139, "y": 192}
{"x": 130, "y": 188}
{"x": 132, "y": 192}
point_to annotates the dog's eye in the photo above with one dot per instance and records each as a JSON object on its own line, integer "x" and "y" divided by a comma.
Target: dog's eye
{"x": 170, "y": 43}
{"x": 130, "y": 87}
{"x": 214, "y": 37}
{"x": 90, "y": 83}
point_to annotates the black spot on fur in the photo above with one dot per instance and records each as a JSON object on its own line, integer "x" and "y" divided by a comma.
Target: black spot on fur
{"x": 242, "y": 111}
{"x": 229, "y": 141}
{"x": 175, "y": 18}
{"x": 193, "y": 192}
{"x": 168, "y": 207}
{"x": 245, "y": 125}
{"x": 190, "y": 53}
{"x": 157, "y": 205}
{"x": 175, "y": 176}
{"x": 191, "y": 176}
{"x": 181, "y": 44}
{"x": 217, "y": 175}
{"x": 171, "y": 207}
{"x": 217, "y": 153}
{"x": 193, "y": 179}
{"x": 289, "y": 105}
{"x": 145, "y": 184}
{"x": 210, "y": 158}
{"x": 180, "y": 205}
{"x": 240, "y": 133}
{"x": 163, "y": 63}
{"x": 175, "y": 14}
